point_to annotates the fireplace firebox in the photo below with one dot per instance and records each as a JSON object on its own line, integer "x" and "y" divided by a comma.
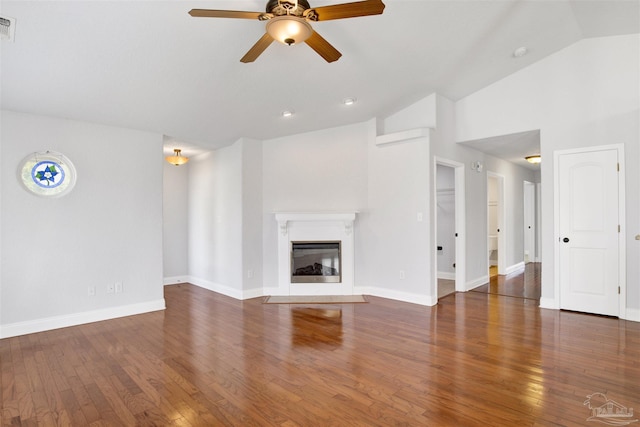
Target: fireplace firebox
{"x": 316, "y": 262}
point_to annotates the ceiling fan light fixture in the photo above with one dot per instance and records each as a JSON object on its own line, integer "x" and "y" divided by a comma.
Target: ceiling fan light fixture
{"x": 289, "y": 29}
{"x": 177, "y": 159}
{"x": 535, "y": 159}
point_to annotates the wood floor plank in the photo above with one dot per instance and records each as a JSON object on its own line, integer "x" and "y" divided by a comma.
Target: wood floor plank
{"x": 81, "y": 396}
{"x": 475, "y": 359}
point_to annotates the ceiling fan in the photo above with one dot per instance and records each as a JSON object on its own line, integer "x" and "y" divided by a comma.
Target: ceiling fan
{"x": 288, "y": 23}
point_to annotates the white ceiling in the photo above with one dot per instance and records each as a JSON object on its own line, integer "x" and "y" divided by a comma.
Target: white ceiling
{"x": 149, "y": 65}
{"x": 513, "y": 147}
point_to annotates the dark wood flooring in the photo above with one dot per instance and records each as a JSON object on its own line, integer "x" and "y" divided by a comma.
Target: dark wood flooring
{"x": 522, "y": 284}
{"x": 475, "y": 359}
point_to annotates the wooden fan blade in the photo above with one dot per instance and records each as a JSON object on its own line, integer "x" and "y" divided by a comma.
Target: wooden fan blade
{"x": 323, "y": 47}
{"x": 345, "y": 10}
{"x": 210, "y": 13}
{"x": 257, "y": 48}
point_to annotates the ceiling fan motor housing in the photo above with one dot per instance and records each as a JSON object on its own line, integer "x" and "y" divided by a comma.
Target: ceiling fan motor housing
{"x": 285, "y": 7}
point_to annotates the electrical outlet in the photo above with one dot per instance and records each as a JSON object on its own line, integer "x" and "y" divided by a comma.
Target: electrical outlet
{"x": 110, "y": 288}
{"x": 420, "y": 217}
{"x": 118, "y": 287}
{"x": 91, "y": 290}
{"x": 401, "y": 274}
{"x": 249, "y": 274}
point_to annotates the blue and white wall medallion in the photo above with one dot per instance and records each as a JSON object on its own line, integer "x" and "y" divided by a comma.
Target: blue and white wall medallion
{"x": 47, "y": 174}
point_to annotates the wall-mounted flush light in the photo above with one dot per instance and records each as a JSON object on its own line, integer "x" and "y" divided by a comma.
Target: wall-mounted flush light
{"x": 520, "y": 52}
{"x": 177, "y": 158}
{"x": 349, "y": 101}
{"x": 535, "y": 159}
{"x": 287, "y": 113}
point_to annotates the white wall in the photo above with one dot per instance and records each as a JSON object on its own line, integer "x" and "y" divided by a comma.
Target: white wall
{"x": 252, "y": 217}
{"x": 107, "y": 230}
{"x": 175, "y": 186}
{"x": 215, "y": 220}
{"x": 443, "y": 146}
{"x": 322, "y": 171}
{"x": 420, "y": 114}
{"x": 585, "y": 95}
{"x": 334, "y": 170}
{"x": 342, "y": 169}
{"x": 395, "y": 243}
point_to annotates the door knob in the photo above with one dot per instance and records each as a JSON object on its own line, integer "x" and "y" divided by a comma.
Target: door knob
{"x": 566, "y": 240}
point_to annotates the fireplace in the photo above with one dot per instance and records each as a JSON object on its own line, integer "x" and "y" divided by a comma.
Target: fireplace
{"x": 316, "y": 262}
{"x": 315, "y": 253}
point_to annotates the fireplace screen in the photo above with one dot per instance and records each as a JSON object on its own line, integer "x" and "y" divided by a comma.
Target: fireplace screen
{"x": 315, "y": 262}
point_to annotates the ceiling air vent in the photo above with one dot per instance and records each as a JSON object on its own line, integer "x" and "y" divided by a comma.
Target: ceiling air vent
{"x": 7, "y": 28}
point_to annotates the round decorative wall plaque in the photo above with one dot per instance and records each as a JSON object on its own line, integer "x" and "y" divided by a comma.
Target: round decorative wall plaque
{"x": 47, "y": 174}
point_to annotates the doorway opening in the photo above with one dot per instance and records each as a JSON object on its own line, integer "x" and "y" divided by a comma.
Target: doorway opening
{"x": 496, "y": 232}
{"x": 449, "y": 227}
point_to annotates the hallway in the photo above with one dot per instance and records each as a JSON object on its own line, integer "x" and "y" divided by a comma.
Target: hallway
{"x": 523, "y": 284}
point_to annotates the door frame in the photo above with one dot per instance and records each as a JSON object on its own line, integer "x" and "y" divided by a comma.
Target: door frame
{"x": 622, "y": 255}
{"x": 502, "y": 226}
{"x": 460, "y": 221}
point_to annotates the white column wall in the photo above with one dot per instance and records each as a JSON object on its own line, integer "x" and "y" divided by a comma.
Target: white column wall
{"x": 215, "y": 220}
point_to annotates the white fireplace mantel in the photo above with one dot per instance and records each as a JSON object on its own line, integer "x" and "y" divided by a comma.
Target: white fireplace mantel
{"x": 347, "y": 218}
{"x": 315, "y": 226}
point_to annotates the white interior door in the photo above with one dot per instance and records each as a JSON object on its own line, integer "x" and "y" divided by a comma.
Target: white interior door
{"x": 529, "y": 222}
{"x": 588, "y": 231}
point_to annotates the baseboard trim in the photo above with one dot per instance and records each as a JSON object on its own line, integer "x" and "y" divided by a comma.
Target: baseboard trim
{"x": 253, "y": 293}
{"x": 75, "y": 319}
{"x": 175, "y": 280}
{"x": 549, "y": 303}
{"x": 632, "y": 314}
{"x": 446, "y": 275}
{"x": 514, "y": 268}
{"x": 216, "y": 287}
{"x": 396, "y": 295}
{"x": 472, "y": 284}
{"x": 226, "y": 290}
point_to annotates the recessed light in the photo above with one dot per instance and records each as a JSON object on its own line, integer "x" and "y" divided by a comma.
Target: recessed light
{"x": 349, "y": 101}
{"x": 521, "y": 51}
{"x": 287, "y": 113}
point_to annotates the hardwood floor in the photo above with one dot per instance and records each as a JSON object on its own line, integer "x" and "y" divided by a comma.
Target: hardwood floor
{"x": 475, "y": 359}
{"x": 523, "y": 284}
{"x": 446, "y": 287}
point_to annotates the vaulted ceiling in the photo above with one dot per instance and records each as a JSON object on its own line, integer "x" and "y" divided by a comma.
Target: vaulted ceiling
{"x": 149, "y": 65}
